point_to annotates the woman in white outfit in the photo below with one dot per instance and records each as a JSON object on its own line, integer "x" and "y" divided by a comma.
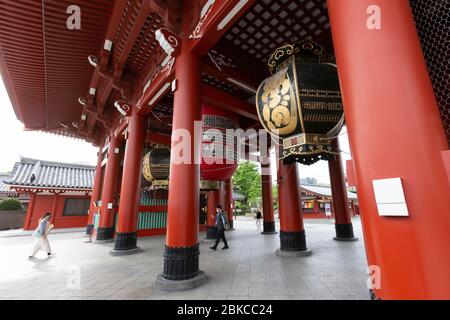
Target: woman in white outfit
{"x": 40, "y": 235}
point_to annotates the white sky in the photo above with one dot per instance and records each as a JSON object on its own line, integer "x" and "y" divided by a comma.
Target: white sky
{"x": 15, "y": 142}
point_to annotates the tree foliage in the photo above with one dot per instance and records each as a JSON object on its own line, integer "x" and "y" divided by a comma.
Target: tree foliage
{"x": 247, "y": 181}
{"x": 10, "y": 204}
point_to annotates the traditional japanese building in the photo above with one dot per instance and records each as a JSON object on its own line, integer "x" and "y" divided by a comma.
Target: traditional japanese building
{"x": 5, "y": 191}
{"x": 60, "y": 188}
{"x": 132, "y": 76}
{"x": 317, "y": 202}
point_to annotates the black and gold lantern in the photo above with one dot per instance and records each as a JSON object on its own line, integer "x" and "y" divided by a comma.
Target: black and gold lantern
{"x": 301, "y": 104}
{"x": 156, "y": 165}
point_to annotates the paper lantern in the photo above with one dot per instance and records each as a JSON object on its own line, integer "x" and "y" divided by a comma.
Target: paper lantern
{"x": 219, "y": 147}
{"x": 301, "y": 104}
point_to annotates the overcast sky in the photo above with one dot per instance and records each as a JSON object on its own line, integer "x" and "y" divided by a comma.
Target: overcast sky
{"x": 15, "y": 142}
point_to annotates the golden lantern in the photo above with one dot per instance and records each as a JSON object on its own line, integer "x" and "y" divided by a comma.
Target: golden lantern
{"x": 155, "y": 167}
{"x": 300, "y": 104}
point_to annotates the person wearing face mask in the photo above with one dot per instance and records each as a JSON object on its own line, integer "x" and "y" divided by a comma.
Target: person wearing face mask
{"x": 40, "y": 234}
{"x": 221, "y": 223}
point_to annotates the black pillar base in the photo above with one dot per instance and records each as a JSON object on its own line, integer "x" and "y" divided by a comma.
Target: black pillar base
{"x": 344, "y": 232}
{"x": 293, "y": 241}
{"x": 181, "y": 263}
{"x": 372, "y": 295}
{"x": 211, "y": 232}
{"x": 89, "y": 228}
{"x": 231, "y": 224}
{"x": 269, "y": 227}
{"x": 104, "y": 233}
{"x": 125, "y": 241}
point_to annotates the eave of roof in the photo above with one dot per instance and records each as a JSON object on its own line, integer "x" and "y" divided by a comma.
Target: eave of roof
{"x": 51, "y": 175}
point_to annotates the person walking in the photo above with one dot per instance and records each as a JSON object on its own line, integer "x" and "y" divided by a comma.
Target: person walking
{"x": 40, "y": 234}
{"x": 258, "y": 219}
{"x": 221, "y": 223}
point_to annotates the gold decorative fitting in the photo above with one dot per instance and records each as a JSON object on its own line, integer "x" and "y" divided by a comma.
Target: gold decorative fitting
{"x": 307, "y": 50}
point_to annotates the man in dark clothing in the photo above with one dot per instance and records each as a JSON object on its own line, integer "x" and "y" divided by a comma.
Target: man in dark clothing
{"x": 221, "y": 222}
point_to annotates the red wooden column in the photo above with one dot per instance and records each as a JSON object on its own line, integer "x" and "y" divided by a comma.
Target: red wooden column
{"x": 96, "y": 190}
{"x": 292, "y": 231}
{"x": 181, "y": 256}
{"x": 54, "y": 207}
{"x": 267, "y": 196}
{"x": 27, "y": 224}
{"x": 105, "y": 227}
{"x": 229, "y": 203}
{"x": 395, "y": 131}
{"x": 211, "y": 231}
{"x": 126, "y": 231}
{"x": 343, "y": 220}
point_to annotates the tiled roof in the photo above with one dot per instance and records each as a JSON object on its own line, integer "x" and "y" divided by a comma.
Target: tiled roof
{"x": 4, "y": 188}
{"x": 324, "y": 191}
{"x": 48, "y": 174}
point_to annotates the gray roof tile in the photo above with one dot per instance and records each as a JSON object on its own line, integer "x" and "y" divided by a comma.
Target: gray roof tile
{"x": 51, "y": 174}
{"x": 4, "y": 188}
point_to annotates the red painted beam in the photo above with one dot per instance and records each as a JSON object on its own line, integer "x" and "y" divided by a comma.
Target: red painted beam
{"x": 213, "y": 25}
{"x": 159, "y": 86}
{"x": 232, "y": 76}
{"x": 158, "y": 138}
{"x": 226, "y": 101}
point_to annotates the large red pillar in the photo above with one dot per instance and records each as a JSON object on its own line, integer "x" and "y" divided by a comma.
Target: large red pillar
{"x": 181, "y": 256}
{"x": 96, "y": 190}
{"x": 229, "y": 203}
{"x": 211, "y": 231}
{"x": 267, "y": 196}
{"x": 126, "y": 231}
{"x": 395, "y": 131}
{"x": 292, "y": 231}
{"x": 105, "y": 227}
{"x": 343, "y": 220}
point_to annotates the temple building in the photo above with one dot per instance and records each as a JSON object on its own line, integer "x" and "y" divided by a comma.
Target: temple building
{"x": 174, "y": 93}
{"x": 60, "y": 188}
{"x": 317, "y": 202}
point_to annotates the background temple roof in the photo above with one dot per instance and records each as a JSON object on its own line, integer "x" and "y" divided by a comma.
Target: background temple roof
{"x": 4, "y": 188}
{"x": 50, "y": 174}
{"x": 324, "y": 191}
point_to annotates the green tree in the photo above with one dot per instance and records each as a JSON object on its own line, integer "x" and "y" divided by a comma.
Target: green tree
{"x": 10, "y": 204}
{"x": 247, "y": 181}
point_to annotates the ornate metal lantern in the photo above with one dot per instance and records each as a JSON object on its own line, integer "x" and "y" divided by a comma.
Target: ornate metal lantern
{"x": 219, "y": 147}
{"x": 155, "y": 167}
{"x": 300, "y": 104}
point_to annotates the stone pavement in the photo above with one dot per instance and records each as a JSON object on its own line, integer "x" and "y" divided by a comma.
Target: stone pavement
{"x": 249, "y": 270}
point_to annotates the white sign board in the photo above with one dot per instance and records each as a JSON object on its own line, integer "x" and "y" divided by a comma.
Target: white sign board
{"x": 390, "y": 197}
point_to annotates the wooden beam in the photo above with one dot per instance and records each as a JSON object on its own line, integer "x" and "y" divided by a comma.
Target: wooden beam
{"x": 217, "y": 20}
{"x": 226, "y": 101}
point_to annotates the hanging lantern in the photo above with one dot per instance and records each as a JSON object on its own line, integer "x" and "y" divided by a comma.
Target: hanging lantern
{"x": 301, "y": 104}
{"x": 155, "y": 167}
{"x": 219, "y": 147}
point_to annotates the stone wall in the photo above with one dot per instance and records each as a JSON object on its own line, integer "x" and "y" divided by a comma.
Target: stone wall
{"x": 13, "y": 219}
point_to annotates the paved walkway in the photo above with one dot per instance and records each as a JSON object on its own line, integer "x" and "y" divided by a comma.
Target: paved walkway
{"x": 249, "y": 270}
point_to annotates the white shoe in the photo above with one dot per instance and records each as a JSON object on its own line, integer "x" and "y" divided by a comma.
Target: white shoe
{"x": 51, "y": 255}
{"x": 30, "y": 257}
